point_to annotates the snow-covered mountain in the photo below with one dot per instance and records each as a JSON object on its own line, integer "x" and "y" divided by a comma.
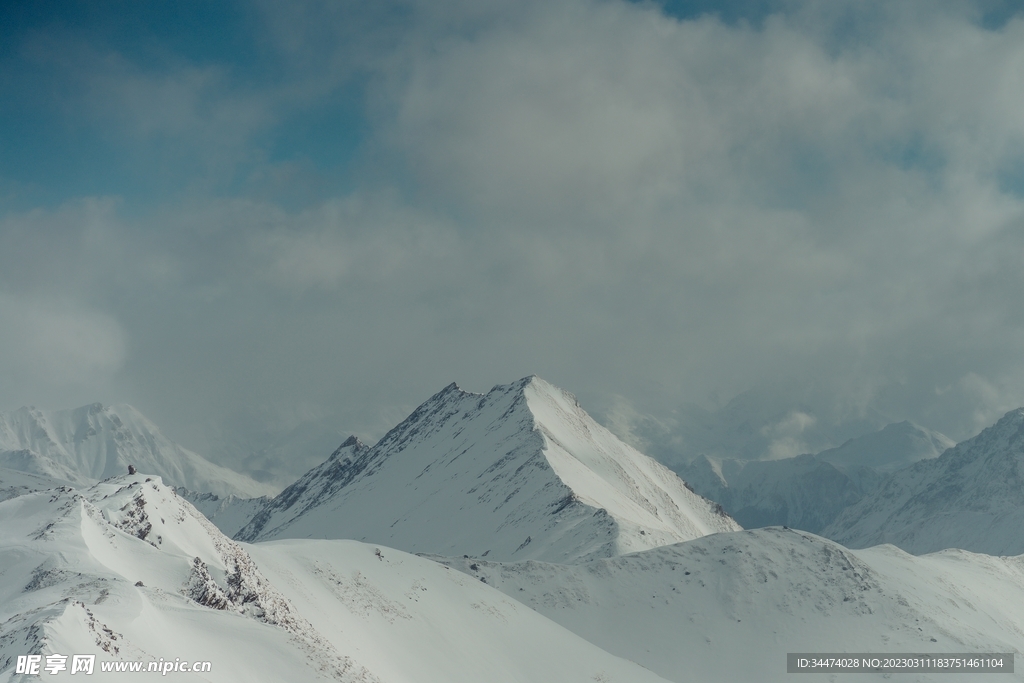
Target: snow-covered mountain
{"x": 894, "y": 447}
{"x": 809, "y": 491}
{"x": 802, "y": 492}
{"x": 96, "y": 442}
{"x": 15, "y": 483}
{"x": 228, "y": 513}
{"x": 971, "y": 497}
{"x": 131, "y": 573}
{"x": 521, "y": 472}
{"x": 272, "y": 452}
{"x": 728, "y": 607}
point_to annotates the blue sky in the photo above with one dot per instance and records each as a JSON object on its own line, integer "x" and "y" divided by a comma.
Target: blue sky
{"x": 53, "y": 150}
{"x": 56, "y": 148}
{"x": 246, "y": 217}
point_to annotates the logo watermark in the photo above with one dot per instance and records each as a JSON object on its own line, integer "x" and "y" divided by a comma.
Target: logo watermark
{"x": 36, "y": 665}
{"x": 907, "y": 662}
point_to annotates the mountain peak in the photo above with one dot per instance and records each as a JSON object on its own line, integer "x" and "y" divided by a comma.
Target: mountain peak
{"x": 521, "y": 472}
{"x": 534, "y": 384}
{"x": 1012, "y": 419}
{"x": 350, "y": 442}
{"x": 521, "y": 384}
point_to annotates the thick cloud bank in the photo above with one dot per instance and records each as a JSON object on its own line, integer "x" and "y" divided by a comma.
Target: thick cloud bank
{"x": 343, "y": 208}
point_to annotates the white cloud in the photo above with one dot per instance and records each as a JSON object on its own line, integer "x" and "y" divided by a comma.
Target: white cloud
{"x": 362, "y": 240}
{"x": 618, "y": 200}
{"x": 989, "y": 400}
{"x": 784, "y": 435}
{"x": 53, "y": 348}
{"x": 777, "y": 199}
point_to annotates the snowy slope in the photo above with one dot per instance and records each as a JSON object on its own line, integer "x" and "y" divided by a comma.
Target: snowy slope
{"x": 129, "y": 571}
{"x": 970, "y": 497}
{"x": 41, "y": 466}
{"x": 728, "y": 607}
{"x": 311, "y": 490}
{"x": 95, "y": 442}
{"x": 414, "y": 620}
{"x": 522, "y": 472}
{"x": 15, "y": 483}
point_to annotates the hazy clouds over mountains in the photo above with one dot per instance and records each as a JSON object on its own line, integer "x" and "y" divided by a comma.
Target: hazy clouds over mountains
{"x": 330, "y": 209}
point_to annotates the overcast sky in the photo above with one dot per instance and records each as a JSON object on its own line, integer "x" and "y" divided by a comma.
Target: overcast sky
{"x": 245, "y": 216}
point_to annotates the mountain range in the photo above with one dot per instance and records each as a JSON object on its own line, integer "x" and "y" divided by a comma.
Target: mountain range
{"x": 892, "y": 448}
{"x": 970, "y": 497}
{"x": 802, "y": 492}
{"x": 94, "y": 442}
{"x": 129, "y": 571}
{"x": 728, "y": 607}
{"x": 547, "y": 550}
{"x": 809, "y": 491}
{"x": 762, "y": 423}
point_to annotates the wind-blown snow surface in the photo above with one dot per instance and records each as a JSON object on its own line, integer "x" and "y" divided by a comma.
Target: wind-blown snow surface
{"x": 96, "y": 442}
{"x": 14, "y": 483}
{"x": 728, "y": 607}
{"x": 520, "y": 473}
{"x": 410, "y": 619}
{"x": 128, "y": 570}
{"x": 970, "y": 497}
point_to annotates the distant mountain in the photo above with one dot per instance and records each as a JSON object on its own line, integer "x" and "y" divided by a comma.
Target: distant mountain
{"x": 521, "y": 472}
{"x": 14, "y": 483}
{"x": 892, "y": 448}
{"x": 802, "y": 492}
{"x": 95, "y": 442}
{"x": 311, "y": 490}
{"x": 970, "y": 497}
{"x": 767, "y": 423}
{"x": 131, "y": 573}
{"x": 228, "y": 513}
{"x": 271, "y": 452}
{"x": 809, "y": 491}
